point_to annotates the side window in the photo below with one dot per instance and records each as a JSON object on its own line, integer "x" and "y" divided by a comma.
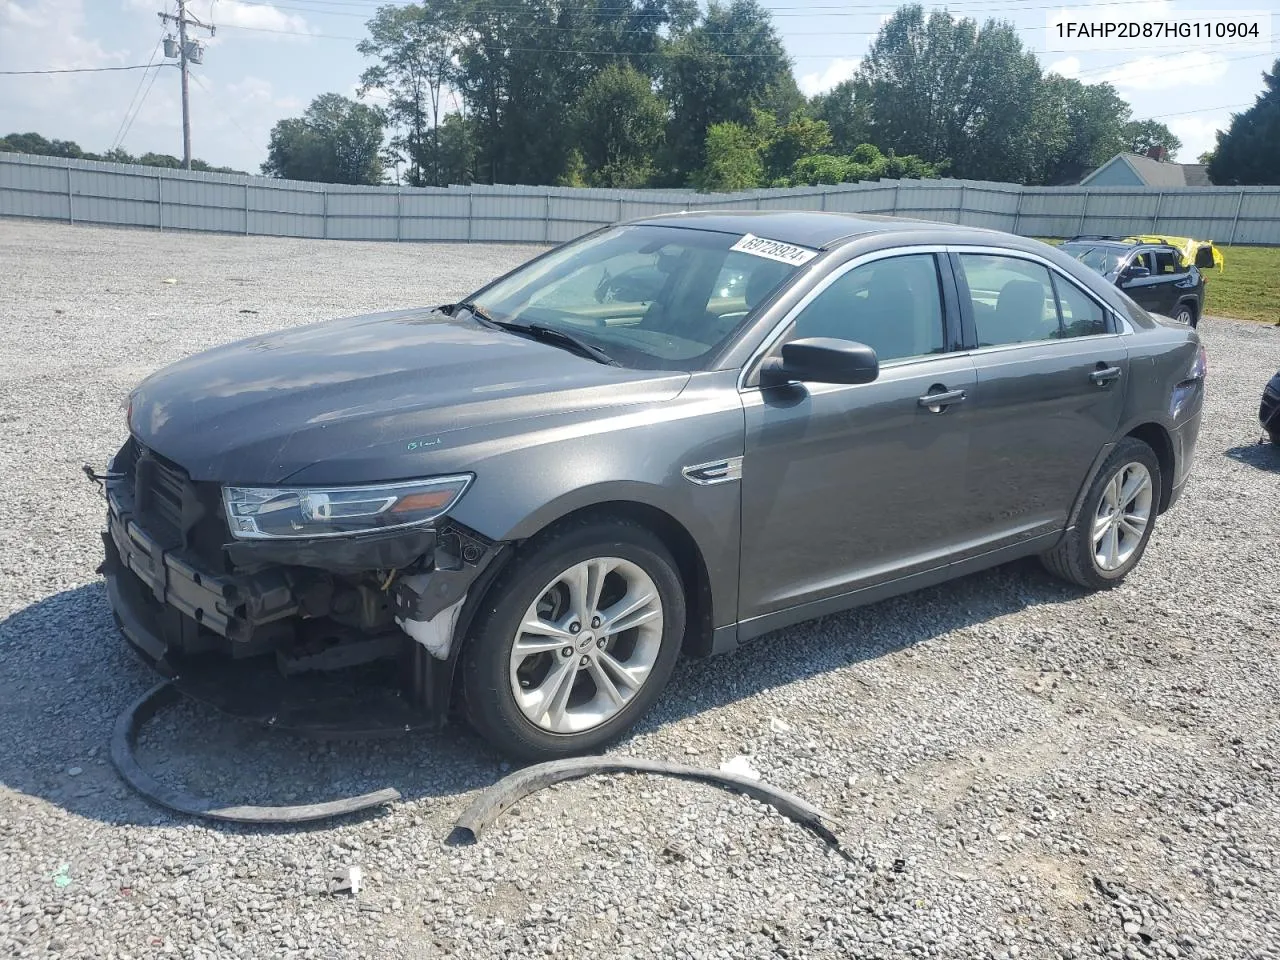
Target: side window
{"x": 1167, "y": 263}
{"x": 1012, "y": 299}
{"x": 1144, "y": 260}
{"x": 743, "y": 282}
{"x": 1081, "y": 315}
{"x": 893, "y": 306}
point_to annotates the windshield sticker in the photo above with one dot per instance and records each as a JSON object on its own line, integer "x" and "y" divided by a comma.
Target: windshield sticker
{"x": 774, "y": 250}
{"x": 420, "y": 444}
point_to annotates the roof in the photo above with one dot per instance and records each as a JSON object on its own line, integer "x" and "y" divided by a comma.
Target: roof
{"x": 1155, "y": 173}
{"x": 806, "y": 228}
{"x": 1197, "y": 175}
{"x": 1124, "y": 242}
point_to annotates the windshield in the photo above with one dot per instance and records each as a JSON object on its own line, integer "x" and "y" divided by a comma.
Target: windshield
{"x": 652, "y": 297}
{"x": 1103, "y": 259}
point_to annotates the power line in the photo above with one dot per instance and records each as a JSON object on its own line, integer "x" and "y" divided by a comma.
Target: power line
{"x": 125, "y": 121}
{"x": 226, "y": 113}
{"x": 1183, "y": 113}
{"x": 29, "y": 73}
{"x": 794, "y": 10}
{"x": 1101, "y": 71}
{"x": 137, "y": 113}
{"x": 671, "y": 53}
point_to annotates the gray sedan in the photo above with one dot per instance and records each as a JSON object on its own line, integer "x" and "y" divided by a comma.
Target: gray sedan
{"x": 671, "y": 436}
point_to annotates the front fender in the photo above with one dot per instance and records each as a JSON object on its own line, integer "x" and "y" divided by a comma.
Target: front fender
{"x": 526, "y": 483}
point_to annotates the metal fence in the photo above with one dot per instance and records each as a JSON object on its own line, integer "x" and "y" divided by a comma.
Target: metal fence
{"x": 85, "y": 191}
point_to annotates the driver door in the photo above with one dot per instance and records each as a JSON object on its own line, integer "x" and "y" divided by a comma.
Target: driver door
{"x": 847, "y": 486}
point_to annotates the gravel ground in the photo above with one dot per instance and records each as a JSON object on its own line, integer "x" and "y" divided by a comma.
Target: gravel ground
{"x": 1021, "y": 770}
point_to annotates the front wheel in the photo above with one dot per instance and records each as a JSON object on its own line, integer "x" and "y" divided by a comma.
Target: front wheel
{"x": 1113, "y": 524}
{"x": 575, "y": 640}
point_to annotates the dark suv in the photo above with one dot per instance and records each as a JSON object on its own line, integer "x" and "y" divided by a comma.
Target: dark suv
{"x": 1153, "y": 274}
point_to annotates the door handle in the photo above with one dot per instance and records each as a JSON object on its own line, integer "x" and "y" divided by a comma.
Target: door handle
{"x": 1105, "y": 375}
{"x": 937, "y": 402}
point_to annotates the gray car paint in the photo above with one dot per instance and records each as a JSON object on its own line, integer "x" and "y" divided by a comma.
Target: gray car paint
{"x": 827, "y": 471}
{"x": 785, "y": 577}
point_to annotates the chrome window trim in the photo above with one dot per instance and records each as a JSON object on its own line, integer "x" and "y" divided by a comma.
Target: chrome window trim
{"x": 1122, "y": 324}
{"x": 1123, "y": 327}
{"x": 781, "y": 326}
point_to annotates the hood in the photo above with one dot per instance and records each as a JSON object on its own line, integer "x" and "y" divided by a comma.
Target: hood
{"x": 261, "y": 409}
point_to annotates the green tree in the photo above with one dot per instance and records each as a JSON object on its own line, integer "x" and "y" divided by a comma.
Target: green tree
{"x": 1248, "y": 152}
{"x": 1141, "y": 135}
{"x": 786, "y": 143}
{"x": 335, "y": 141}
{"x": 733, "y": 158}
{"x": 415, "y": 45}
{"x": 34, "y": 143}
{"x": 619, "y": 123}
{"x": 519, "y": 64}
{"x": 1078, "y": 127}
{"x": 945, "y": 89}
{"x": 457, "y": 150}
{"x": 865, "y": 162}
{"x": 846, "y": 110}
{"x": 731, "y": 63}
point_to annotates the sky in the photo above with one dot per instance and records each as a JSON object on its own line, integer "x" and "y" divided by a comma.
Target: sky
{"x": 269, "y": 58}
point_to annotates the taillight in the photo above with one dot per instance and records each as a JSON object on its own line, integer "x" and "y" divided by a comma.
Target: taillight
{"x": 1201, "y": 365}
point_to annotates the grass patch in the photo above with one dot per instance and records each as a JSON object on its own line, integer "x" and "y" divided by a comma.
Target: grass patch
{"x": 1248, "y": 288}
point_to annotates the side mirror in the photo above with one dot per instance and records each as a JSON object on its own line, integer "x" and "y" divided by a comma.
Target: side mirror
{"x": 823, "y": 360}
{"x": 1136, "y": 273}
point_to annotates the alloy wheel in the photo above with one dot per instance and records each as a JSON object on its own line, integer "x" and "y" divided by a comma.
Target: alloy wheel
{"x": 586, "y": 645}
{"x": 1122, "y": 517}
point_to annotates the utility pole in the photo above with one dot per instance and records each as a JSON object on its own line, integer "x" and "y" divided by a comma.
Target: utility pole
{"x": 187, "y": 52}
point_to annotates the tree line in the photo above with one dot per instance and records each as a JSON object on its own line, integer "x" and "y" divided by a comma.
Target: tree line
{"x": 658, "y": 93}
{"x": 34, "y": 143}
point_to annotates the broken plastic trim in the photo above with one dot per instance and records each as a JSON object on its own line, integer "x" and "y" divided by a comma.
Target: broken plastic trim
{"x": 125, "y": 738}
{"x": 487, "y": 807}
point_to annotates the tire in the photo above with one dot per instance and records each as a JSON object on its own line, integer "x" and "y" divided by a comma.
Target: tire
{"x": 1186, "y": 314}
{"x": 564, "y": 705}
{"x": 1081, "y": 560}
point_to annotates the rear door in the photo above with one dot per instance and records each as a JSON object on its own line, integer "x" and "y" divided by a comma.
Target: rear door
{"x": 1051, "y": 378}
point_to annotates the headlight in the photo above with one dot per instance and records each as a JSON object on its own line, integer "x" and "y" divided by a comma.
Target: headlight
{"x": 274, "y": 513}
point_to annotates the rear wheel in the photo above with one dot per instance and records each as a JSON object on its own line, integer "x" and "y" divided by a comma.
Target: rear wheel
{"x": 1113, "y": 524}
{"x": 1186, "y": 314}
{"x": 575, "y": 641}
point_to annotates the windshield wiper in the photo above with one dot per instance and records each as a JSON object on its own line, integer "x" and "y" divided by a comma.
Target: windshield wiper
{"x": 480, "y": 315}
{"x": 556, "y": 335}
{"x": 546, "y": 334}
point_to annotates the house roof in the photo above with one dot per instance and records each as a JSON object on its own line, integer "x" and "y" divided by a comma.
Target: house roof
{"x": 1156, "y": 173}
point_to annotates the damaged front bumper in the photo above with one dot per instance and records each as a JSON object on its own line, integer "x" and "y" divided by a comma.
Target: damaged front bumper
{"x": 315, "y": 604}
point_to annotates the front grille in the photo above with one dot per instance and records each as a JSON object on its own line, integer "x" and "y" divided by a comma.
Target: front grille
{"x": 173, "y": 509}
{"x": 164, "y": 499}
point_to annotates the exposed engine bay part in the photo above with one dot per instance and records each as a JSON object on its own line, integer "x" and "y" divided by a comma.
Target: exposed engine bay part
{"x": 125, "y": 737}
{"x": 427, "y": 605}
{"x": 487, "y": 807}
{"x": 435, "y": 634}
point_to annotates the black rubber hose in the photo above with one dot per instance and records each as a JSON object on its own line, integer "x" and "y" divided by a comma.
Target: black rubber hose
{"x": 487, "y": 807}
{"x": 125, "y": 738}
